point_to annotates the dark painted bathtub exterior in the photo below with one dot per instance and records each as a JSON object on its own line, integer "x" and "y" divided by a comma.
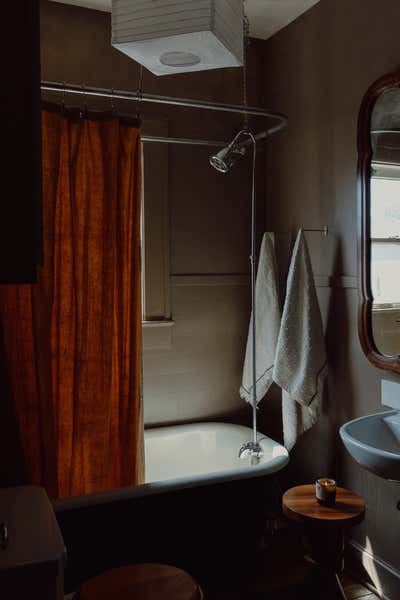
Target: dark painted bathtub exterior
{"x": 211, "y": 531}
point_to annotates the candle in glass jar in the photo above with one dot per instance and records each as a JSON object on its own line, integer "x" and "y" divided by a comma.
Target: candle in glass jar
{"x": 325, "y": 491}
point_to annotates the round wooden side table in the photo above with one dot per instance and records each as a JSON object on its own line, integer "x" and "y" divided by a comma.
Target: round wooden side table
{"x": 141, "y": 582}
{"x": 325, "y": 528}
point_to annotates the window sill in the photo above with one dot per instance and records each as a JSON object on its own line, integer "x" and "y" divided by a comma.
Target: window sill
{"x": 385, "y": 307}
{"x": 160, "y": 323}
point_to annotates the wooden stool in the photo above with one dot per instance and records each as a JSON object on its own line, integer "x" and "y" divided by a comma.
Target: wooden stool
{"x": 325, "y": 527}
{"x": 141, "y": 582}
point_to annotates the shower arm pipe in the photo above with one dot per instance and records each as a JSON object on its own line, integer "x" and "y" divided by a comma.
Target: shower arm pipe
{"x": 138, "y": 96}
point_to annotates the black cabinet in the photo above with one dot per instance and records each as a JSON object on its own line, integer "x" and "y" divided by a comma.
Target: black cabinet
{"x": 32, "y": 551}
{"x": 20, "y": 158}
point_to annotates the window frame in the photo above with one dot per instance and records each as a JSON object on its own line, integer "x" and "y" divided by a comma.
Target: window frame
{"x": 156, "y": 289}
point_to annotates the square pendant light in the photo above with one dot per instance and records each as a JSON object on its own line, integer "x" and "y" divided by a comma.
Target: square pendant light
{"x": 179, "y": 36}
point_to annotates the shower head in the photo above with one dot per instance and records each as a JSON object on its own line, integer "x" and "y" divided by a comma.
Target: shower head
{"x": 224, "y": 160}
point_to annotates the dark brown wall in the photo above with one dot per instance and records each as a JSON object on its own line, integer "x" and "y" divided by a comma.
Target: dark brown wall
{"x": 209, "y": 213}
{"x": 317, "y": 71}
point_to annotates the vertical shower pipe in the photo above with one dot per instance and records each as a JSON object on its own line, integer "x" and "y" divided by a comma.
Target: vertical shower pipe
{"x": 254, "y": 447}
{"x": 222, "y": 162}
{"x": 253, "y": 285}
{"x": 253, "y": 262}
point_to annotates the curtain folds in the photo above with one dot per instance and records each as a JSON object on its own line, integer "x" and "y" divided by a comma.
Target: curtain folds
{"x": 72, "y": 343}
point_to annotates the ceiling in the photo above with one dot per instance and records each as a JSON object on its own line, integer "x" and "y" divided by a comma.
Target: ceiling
{"x": 266, "y": 16}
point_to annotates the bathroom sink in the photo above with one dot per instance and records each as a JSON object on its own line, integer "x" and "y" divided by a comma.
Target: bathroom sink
{"x": 374, "y": 442}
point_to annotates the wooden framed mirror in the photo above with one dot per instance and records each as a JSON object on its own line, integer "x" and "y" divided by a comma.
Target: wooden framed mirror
{"x": 379, "y": 222}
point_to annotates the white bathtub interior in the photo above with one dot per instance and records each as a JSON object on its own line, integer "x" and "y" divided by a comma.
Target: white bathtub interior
{"x": 207, "y": 451}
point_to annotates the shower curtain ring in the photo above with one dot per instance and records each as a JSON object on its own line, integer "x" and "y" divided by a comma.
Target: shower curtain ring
{"x": 139, "y": 97}
{"x": 63, "y": 97}
{"x": 85, "y": 106}
{"x": 112, "y": 102}
{"x": 139, "y": 93}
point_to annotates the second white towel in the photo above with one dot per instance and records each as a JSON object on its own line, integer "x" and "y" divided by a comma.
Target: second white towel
{"x": 300, "y": 361}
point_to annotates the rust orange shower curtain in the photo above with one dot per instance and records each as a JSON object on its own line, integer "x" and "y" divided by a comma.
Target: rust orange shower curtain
{"x": 71, "y": 342}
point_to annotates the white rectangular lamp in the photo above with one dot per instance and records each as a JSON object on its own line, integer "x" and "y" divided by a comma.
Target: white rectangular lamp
{"x": 179, "y": 36}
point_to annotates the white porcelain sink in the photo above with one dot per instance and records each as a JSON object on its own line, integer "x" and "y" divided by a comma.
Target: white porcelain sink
{"x": 374, "y": 442}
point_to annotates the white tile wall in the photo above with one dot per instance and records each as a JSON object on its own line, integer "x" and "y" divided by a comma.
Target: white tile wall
{"x": 200, "y": 375}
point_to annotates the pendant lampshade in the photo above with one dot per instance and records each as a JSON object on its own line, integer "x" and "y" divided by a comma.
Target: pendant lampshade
{"x": 178, "y": 36}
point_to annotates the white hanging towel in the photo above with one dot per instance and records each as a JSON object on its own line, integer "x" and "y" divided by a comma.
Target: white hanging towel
{"x": 300, "y": 361}
{"x": 267, "y": 322}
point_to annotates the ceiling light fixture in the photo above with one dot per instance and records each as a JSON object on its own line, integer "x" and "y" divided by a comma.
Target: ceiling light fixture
{"x": 179, "y": 36}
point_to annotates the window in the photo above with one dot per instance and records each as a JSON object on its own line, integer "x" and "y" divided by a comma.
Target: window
{"x": 385, "y": 235}
{"x": 156, "y": 308}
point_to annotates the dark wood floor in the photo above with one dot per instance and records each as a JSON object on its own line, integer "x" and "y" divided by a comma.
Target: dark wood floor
{"x": 300, "y": 591}
{"x": 356, "y": 591}
{"x": 289, "y": 590}
{"x": 282, "y": 573}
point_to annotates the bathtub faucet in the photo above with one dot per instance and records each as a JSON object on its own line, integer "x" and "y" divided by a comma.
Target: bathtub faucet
{"x": 252, "y": 450}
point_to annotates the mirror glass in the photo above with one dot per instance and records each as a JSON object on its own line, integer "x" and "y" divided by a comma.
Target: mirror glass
{"x": 385, "y": 222}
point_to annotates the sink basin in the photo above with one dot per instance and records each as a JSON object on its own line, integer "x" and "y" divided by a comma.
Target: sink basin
{"x": 374, "y": 442}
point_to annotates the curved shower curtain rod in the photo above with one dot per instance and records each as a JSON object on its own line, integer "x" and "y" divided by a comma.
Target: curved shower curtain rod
{"x": 138, "y": 96}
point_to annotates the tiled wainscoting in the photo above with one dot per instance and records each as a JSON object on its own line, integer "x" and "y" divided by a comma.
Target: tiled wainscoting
{"x": 196, "y": 371}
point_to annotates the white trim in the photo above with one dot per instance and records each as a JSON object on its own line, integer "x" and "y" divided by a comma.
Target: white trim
{"x": 384, "y": 170}
{"x": 209, "y": 280}
{"x": 342, "y": 281}
{"x": 153, "y": 324}
{"x": 321, "y": 281}
{"x": 384, "y": 576}
{"x": 345, "y": 281}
